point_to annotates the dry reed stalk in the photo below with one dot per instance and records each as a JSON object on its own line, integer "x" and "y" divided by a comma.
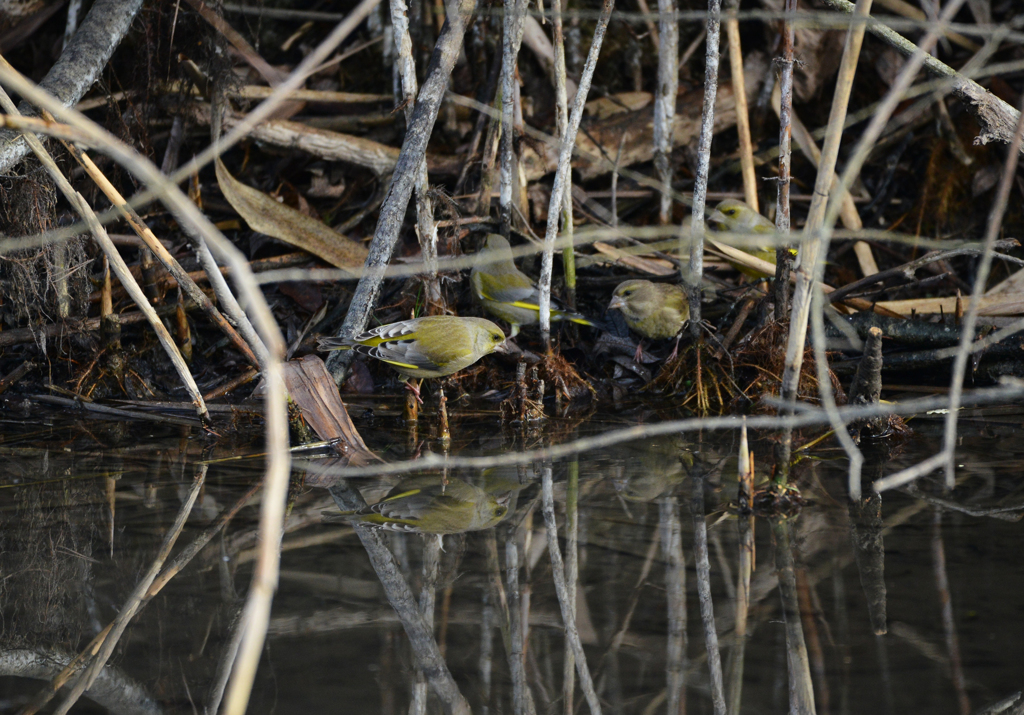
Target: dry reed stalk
{"x": 116, "y": 262}
{"x": 732, "y": 32}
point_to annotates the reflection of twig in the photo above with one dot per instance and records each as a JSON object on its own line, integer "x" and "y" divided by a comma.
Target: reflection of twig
{"x": 572, "y": 567}
{"x": 1005, "y": 513}
{"x": 948, "y": 623}
{"x": 801, "y": 692}
{"x": 522, "y": 700}
{"x": 558, "y": 574}
{"x": 421, "y": 638}
{"x": 707, "y": 613}
{"x": 136, "y": 599}
{"x": 675, "y": 586}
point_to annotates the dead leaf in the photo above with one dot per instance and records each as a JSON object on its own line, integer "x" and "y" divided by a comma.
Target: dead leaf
{"x": 284, "y": 223}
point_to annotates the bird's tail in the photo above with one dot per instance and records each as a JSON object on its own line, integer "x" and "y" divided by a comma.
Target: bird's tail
{"x": 579, "y": 319}
{"x": 573, "y": 317}
{"x": 334, "y": 344}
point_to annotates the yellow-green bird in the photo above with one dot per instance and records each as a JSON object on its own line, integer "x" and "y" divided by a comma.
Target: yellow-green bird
{"x": 735, "y": 216}
{"x": 506, "y": 292}
{"x": 654, "y": 310}
{"x": 652, "y": 468}
{"x": 433, "y": 346}
{"x": 426, "y": 505}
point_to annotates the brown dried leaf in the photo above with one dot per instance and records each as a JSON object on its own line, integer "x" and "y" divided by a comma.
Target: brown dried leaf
{"x": 284, "y": 223}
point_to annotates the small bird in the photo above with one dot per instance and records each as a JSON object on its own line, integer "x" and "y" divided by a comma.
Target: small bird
{"x": 433, "y": 346}
{"x": 652, "y": 468}
{"x": 735, "y": 216}
{"x": 426, "y": 505}
{"x": 506, "y": 292}
{"x": 654, "y": 310}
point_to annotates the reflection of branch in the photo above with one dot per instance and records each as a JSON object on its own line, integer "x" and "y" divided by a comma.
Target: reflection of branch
{"x": 558, "y": 575}
{"x": 1005, "y": 513}
{"x": 135, "y": 601}
{"x": 675, "y": 586}
{"x": 707, "y": 613}
{"x": 113, "y": 690}
{"x": 801, "y": 692}
{"x": 421, "y": 638}
{"x": 948, "y": 622}
{"x": 522, "y": 701}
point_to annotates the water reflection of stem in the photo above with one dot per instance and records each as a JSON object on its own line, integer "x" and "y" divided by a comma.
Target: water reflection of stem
{"x": 135, "y": 601}
{"x": 522, "y": 702}
{"x": 485, "y": 662}
{"x": 558, "y": 573}
{"x": 616, "y": 640}
{"x": 571, "y": 574}
{"x": 745, "y": 524}
{"x": 707, "y": 612}
{"x": 817, "y": 655}
{"x": 956, "y": 669}
{"x": 426, "y": 654}
{"x": 801, "y": 693}
{"x": 675, "y": 586}
{"x": 431, "y": 561}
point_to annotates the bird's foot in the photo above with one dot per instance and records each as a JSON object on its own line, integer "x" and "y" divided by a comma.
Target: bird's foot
{"x": 414, "y": 388}
{"x": 638, "y": 356}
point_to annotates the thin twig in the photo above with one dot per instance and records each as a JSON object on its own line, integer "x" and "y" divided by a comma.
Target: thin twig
{"x": 511, "y": 39}
{"x": 805, "y": 416}
{"x": 995, "y": 222}
{"x": 665, "y": 104}
{"x": 405, "y": 66}
{"x": 562, "y": 175}
{"x": 695, "y": 272}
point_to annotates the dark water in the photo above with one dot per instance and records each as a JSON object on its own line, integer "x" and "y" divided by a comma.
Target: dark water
{"x": 86, "y": 505}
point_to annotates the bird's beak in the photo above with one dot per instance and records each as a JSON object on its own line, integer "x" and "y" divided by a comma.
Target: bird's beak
{"x": 617, "y": 303}
{"x": 716, "y": 221}
{"x": 502, "y": 348}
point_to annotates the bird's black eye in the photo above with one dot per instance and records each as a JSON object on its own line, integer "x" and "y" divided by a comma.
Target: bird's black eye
{"x": 627, "y": 292}
{"x": 500, "y": 511}
{"x": 730, "y": 211}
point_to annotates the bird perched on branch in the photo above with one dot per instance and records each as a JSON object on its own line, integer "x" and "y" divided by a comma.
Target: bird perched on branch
{"x": 433, "y": 346}
{"x": 428, "y": 505}
{"x": 654, "y": 310}
{"x": 506, "y": 292}
{"x": 735, "y": 216}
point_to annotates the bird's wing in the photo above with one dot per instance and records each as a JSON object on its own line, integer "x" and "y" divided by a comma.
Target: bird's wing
{"x": 403, "y": 354}
{"x": 513, "y": 288}
{"x": 384, "y": 333}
